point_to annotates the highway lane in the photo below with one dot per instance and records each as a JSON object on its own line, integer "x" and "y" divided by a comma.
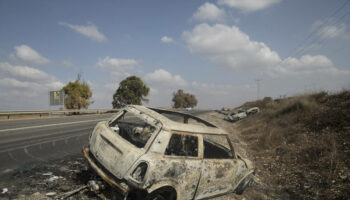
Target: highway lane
{"x": 17, "y": 123}
{"x": 32, "y": 141}
{"x": 40, "y": 140}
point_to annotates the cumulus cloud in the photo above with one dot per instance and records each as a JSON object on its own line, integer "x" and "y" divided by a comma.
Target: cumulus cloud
{"x": 161, "y": 77}
{"x": 209, "y": 12}
{"x": 230, "y": 47}
{"x": 331, "y": 31}
{"x": 24, "y": 73}
{"x": 307, "y": 64}
{"x": 24, "y": 87}
{"x": 90, "y": 30}
{"x": 166, "y": 39}
{"x": 29, "y": 55}
{"x": 117, "y": 66}
{"x": 248, "y": 5}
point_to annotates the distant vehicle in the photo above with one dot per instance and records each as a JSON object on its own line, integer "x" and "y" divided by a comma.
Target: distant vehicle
{"x": 253, "y": 110}
{"x": 140, "y": 150}
{"x": 225, "y": 109}
{"x": 240, "y": 115}
{"x": 236, "y": 115}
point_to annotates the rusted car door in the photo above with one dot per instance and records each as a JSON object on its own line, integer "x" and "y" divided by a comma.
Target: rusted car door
{"x": 180, "y": 166}
{"x": 219, "y": 168}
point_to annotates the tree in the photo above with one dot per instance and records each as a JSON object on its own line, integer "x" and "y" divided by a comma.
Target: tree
{"x": 131, "y": 90}
{"x": 183, "y": 100}
{"x": 77, "y": 94}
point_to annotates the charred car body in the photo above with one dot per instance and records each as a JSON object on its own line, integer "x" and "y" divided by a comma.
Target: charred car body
{"x": 236, "y": 116}
{"x": 253, "y": 110}
{"x": 139, "y": 149}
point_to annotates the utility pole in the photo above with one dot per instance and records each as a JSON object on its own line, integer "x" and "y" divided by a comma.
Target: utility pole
{"x": 257, "y": 88}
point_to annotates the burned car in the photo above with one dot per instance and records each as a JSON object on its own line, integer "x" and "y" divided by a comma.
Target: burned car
{"x": 140, "y": 150}
{"x": 253, "y": 110}
{"x": 236, "y": 116}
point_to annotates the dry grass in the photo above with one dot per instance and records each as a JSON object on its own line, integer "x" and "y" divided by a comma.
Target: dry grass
{"x": 300, "y": 145}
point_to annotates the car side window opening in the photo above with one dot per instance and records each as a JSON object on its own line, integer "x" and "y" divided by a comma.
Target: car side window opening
{"x": 182, "y": 145}
{"x": 216, "y": 146}
{"x": 132, "y": 129}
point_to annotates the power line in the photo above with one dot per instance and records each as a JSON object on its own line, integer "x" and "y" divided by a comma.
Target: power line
{"x": 331, "y": 53}
{"x": 319, "y": 36}
{"x": 295, "y": 51}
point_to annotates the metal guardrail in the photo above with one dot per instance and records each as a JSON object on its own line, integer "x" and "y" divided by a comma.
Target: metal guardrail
{"x": 42, "y": 113}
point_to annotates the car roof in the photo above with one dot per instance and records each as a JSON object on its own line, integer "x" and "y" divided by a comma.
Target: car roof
{"x": 207, "y": 128}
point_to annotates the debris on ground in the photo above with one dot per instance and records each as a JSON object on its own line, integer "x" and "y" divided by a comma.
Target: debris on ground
{"x": 4, "y": 190}
{"x": 300, "y": 147}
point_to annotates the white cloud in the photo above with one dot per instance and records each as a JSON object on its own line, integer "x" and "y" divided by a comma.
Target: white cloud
{"x": 306, "y": 65}
{"x": 90, "y": 30}
{"x": 248, "y": 5}
{"x": 210, "y": 95}
{"x": 24, "y": 87}
{"x": 161, "y": 77}
{"x": 232, "y": 48}
{"x": 30, "y": 56}
{"x": 67, "y": 63}
{"x": 117, "y": 66}
{"x": 10, "y": 82}
{"x": 166, "y": 39}
{"x": 328, "y": 28}
{"x": 332, "y": 31}
{"x": 116, "y": 63}
{"x": 24, "y": 73}
{"x": 209, "y": 12}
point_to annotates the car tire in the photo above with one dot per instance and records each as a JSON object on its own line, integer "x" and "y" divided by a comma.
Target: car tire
{"x": 162, "y": 194}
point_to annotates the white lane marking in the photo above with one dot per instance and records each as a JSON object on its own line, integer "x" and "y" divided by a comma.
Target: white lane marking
{"x": 40, "y": 143}
{"x": 48, "y": 125}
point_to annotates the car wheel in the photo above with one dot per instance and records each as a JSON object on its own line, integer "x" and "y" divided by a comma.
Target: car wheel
{"x": 162, "y": 194}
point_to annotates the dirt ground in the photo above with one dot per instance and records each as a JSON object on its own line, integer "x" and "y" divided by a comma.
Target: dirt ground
{"x": 297, "y": 164}
{"x": 47, "y": 180}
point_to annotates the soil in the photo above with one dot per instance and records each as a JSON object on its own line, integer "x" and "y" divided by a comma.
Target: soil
{"x": 294, "y": 158}
{"x": 69, "y": 173}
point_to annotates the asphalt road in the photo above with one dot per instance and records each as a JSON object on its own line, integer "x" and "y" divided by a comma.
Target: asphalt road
{"x": 31, "y": 141}
{"x": 40, "y": 140}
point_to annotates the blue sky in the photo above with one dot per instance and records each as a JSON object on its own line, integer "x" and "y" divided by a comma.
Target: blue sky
{"x": 213, "y": 49}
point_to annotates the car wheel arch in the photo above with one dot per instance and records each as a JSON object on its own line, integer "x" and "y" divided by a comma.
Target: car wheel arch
{"x": 163, "y": 185}
{"x": 243, "y": 183}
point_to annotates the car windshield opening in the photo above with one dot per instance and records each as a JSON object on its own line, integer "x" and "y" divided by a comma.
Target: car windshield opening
{"x": 133, "y": 129}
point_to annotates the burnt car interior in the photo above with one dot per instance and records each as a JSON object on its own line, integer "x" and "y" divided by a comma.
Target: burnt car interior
{"x": 216, "y": 146}
{"x": 182, "y": 145}
{"x": 212, "y": 150}
{"x": 132, "y": 129}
